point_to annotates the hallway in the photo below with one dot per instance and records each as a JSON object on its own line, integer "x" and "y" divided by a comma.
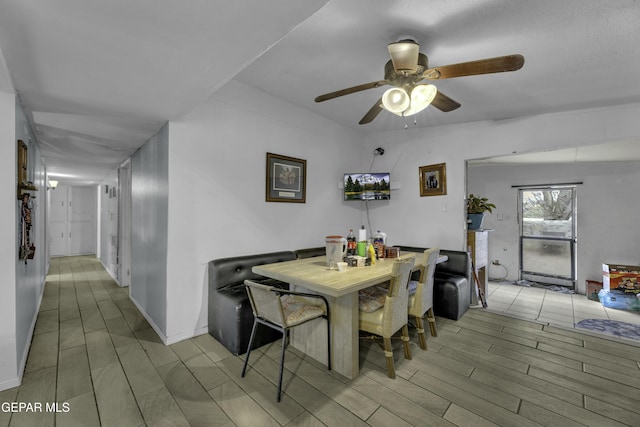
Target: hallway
{"x": 94, "y": 350}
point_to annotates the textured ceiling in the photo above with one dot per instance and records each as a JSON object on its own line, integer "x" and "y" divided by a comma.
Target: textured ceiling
{"x": 99, "y": 78}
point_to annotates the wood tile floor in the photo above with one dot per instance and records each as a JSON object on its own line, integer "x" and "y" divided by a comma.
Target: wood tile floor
{"x": 93, "y": 351}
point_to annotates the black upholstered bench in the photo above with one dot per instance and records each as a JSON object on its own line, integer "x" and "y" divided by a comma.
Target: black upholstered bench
{"x": 451, "y": 283}
{"x": 229, "y": 313}
{"x": 310, "y": 252}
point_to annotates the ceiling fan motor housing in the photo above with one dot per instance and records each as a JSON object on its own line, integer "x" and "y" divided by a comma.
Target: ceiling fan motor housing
{"x": 403, "y": 79}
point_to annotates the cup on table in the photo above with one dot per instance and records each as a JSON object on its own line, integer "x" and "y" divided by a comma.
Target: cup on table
{"x": 342, "y": 266}
{"x": 361, "y": 249}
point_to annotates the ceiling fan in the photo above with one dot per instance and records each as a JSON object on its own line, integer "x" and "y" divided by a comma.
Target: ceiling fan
{"x": 405, "y": 72}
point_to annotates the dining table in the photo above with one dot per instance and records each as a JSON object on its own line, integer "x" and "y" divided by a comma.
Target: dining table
{"x": 341, "y": 288}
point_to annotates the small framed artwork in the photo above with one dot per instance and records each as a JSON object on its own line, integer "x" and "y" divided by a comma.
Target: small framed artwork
{"x": 286, "y": 179}
{"x": 433, "y": 180}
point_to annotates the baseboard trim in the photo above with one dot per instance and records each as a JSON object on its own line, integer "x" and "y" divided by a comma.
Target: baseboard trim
{"x": 187, "y": 335}
{"x": 110, "y": 273}
{"x": 13, "y": 382}
{"x": 171, "y": 339}
{"x": 22, "y": 363}
{"x": 149, "y": 319}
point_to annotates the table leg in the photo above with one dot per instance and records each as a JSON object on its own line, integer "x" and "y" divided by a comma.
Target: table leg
{"x": 311, "y": 338}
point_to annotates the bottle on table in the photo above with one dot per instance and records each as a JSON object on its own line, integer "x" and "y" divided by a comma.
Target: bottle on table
{"x": 351, "y": 243}
{"x": 378, "y": 243}
{"x": 371, "y": 252}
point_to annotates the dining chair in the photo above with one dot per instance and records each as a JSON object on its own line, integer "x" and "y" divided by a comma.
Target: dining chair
{"x": 392, "y": 316}
{"x": 421, "y": 296}
{"x": 281, "y": 309}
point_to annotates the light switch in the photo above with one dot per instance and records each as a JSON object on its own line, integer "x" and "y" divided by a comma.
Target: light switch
{"x": 499, "y": 217}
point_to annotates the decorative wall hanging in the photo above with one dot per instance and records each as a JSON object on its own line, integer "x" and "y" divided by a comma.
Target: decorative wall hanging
{"x": 27, "y": 248}
{"x": 24, "y": 184}
{"x": 286, "y": 179}
{"x": 433, "y": 180}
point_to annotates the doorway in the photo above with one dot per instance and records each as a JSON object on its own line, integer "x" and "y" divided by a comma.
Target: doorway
{"x": 548, "y": 234}
{"x": 124, "y": 224}
{"x": 72, "y": 220}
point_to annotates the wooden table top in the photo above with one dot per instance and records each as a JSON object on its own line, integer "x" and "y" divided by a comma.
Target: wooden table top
{"x": 313, "y": 274}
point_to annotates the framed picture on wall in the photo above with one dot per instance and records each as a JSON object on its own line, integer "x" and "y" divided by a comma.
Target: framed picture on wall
{"x": 286, "y": 179}
{"x": 433, "y": 180}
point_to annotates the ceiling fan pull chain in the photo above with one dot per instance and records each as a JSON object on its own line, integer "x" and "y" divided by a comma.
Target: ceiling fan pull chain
{"x": 406, "y": 126}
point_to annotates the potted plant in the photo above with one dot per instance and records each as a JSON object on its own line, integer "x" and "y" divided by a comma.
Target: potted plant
{"x": 476, "y": 208}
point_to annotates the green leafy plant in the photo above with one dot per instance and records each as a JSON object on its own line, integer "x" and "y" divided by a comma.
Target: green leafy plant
{"x": 478, "y": 205}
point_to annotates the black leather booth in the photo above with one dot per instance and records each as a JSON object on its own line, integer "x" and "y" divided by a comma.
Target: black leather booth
{"x": 451, "y": 283}
{"x": 310, "y": 252}
{"x": 230, "y": 315}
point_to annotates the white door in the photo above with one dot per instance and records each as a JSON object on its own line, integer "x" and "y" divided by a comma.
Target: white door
{"x": 82, "y": 220}
{"x": 548, "y": 235}
{"x": 58, "y": 221}
{"x": 124, "y": 225}
{"x": 72, "y": 220}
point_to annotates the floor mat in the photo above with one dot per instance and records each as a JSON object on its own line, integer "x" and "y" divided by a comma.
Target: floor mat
{"x": 612, "y": 327}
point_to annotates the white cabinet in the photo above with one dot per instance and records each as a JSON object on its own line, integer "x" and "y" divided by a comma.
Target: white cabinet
{"x": 72, "y": 220}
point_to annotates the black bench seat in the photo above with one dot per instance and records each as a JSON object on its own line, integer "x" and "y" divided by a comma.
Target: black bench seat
{"x": 230, "y": 317}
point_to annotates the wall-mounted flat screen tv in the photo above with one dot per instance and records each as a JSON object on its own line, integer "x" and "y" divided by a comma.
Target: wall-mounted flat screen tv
{"x": 367, "y": 186}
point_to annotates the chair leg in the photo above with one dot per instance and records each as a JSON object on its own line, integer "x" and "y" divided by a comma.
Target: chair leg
{"x": 246, "y": 359}
{"x": 432, "y": 322}
{"x": 328, "y": 344}
{"x": 405, "y": 342}
{"x": 420, "y": 329}
{"x": 284, "y": 346}
{"x": 388, "y": 352}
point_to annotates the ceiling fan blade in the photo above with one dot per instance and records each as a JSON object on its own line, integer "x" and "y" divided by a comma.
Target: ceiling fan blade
{"x": 372, "y": 113}
{"x": 483, "y": 66}
{"x": 443, "y": 103}
{"x": 351, "y": 90}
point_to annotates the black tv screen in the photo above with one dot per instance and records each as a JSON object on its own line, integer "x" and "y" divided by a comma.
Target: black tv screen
{"x": 367, "y": 186}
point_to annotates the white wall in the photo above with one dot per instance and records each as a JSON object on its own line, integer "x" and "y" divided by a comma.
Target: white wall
{"x": 8, "y": 257}
{"x": 606, "y": 220}
{"x": 149, "y": 187}
{"x": 22, "y": 284}
{"x": 440, "y": 220}
{"x": 217, "y": 208}
{"x": 30, "y": 275}
{"x": 410, "y": 219}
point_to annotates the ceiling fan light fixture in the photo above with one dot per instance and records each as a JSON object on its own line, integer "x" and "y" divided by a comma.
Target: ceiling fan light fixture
{"x": 396, "y": 100}
{"x": 421, "y": 97}
{"x": 404, "y": 55}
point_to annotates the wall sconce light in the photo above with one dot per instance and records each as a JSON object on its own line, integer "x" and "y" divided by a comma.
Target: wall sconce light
{"x": 53, "y": 184}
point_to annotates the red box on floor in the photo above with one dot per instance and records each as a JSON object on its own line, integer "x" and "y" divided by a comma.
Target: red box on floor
{"x": 624, "y": 278}
{"x": 593, "y": 287}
